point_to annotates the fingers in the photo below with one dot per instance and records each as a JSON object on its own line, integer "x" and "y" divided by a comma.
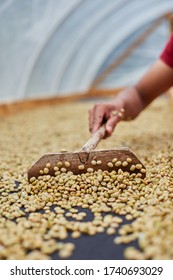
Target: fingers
{"x": 111, "y": 123}
{"x": 96, "y": 116}
{"x": 91, "y": 112}
{"x": 106, "y": 113}
{"x": 115, "y": 117}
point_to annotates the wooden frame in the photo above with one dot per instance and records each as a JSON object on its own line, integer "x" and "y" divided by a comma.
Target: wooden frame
{"x": 17, "y": 106}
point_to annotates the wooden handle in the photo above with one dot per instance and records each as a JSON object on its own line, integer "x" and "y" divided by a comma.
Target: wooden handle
{"x": 92, "y": 143}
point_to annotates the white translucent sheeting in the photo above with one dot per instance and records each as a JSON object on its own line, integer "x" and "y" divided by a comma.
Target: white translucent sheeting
{"x": 103, "y": 41}
{"x": 26, "y": 27}
{"x": 59, "y": 46}
{"x": 133, "y": 67}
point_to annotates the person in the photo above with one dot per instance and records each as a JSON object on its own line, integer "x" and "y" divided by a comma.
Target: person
{"x": 128, "y": 104}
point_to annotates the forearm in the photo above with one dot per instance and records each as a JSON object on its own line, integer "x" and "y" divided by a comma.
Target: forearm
{"x": 156, "y": 81}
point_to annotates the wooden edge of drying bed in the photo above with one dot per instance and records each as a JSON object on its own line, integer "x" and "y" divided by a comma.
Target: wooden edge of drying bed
{"x": 17, "y": 106}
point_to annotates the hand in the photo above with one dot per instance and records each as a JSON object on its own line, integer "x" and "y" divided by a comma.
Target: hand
{"x": 107, "y": 113}
{"x": 126, "y": 106}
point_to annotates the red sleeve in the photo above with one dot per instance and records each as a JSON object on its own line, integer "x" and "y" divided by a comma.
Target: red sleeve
{"x": 167, "y": 54}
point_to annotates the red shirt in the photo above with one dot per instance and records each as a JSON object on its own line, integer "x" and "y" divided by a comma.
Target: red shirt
{"x": 167, "y": 54}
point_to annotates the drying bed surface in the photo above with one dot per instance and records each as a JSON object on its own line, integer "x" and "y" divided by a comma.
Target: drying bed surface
{"x": 99, "y": 215}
